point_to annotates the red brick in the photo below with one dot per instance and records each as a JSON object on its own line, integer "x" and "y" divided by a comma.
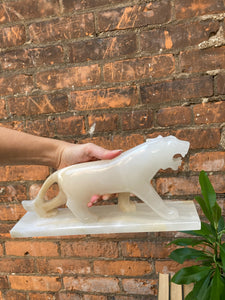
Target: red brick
{"x": 11, "y": 212}
{"x": 103, "y": 122}
{"x": 3, "y": 282}
{"x": 202, "y": 60}
{"x": 178, "y": 89}
{"x": 118, "y": 141}
{"x": 146, "y": 249}
{"x": 200, "y": 138}
{"x": 1, "y": 250}
{"x": 71, "y": 5}
{"x": 97, "y": 285}
{"x": 16, "y": 265}
{"x": 172, "y": 186}
{"x": 14, "y": 295}
{"x": 36, "y": 105}
{"x": 16, "y": 125}
{"x": 168, "y": 266}
{"x": 140, "y": 286}
{"x": 174, "y": 116}
{"x": 218, "y": 182}
{"x": 62, "y": 29}
{"x": 3, "y": 110}
{"x": 103, "y": 48}
{"x": 17, "y": 173}
{"x": 135, "y": 16}
{"x": 27, "y": 9}
{"x": 192, "y": 8}
{"x": 12, "y": 36}
{"x": 220, "y": 79}
{"x": 94, "y": 297}
{"x": 69, "y": 296}
{"x": 207, "y": 161}
{"x": 16, "y": 84}
{"x": 90, "y": 249}
{"x": 122, "y": 268}
{"x": 177, "y": 36}
{"x": 41, "y": 127}
{"x": 104, "y": 98}
{"x": 140, "y": 68}
{"x": 209, "y": 113}
{"x": 35, "y": 283}
{"x": 69, "y": 78}
{"x": 137, "y": 119}
{"x": 28, "y": 58}
{"x": 32, "y": 248}
{"x": 42, "y": 296}
{"x": 63, "y": 266}
{"x": 69, "y": 125}
{"x": 12, "y": 192}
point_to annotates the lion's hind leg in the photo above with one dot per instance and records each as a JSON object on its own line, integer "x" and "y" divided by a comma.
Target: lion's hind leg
{"x": 125, "y": 204}
{"x": 149, "y": 195}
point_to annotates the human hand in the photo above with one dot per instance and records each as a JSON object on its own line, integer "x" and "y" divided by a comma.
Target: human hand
{"x": 71, "y": 154}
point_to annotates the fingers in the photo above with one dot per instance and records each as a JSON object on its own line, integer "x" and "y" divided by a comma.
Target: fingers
{"x": 96, "y": 198}
{"x": 98, "y": 152}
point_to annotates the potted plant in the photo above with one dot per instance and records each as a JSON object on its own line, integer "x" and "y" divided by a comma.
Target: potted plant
{"x": 208, "y": 275}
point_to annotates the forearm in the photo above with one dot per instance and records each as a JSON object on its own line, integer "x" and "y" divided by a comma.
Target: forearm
{"x": 22, "y": 148}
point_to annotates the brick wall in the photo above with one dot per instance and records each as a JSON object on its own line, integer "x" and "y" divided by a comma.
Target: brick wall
{"x": 115, "y": 74}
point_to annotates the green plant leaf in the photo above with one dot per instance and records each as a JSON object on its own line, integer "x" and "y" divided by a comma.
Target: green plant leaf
{"x": 222, "y": 255}
{"x": 191, "y": 274}
{"x": 187, "y": 242}
{"x": 205, "y": 208}
{"x": 201, "y": 289}
{"x": 221, "y": 224}
{"x": 206, "y": 231}
{"x": 217, "y": 287}
{"x": 208, "y": 191}
{"x": 216, "y": 211}
{"x": 182, "y": 254}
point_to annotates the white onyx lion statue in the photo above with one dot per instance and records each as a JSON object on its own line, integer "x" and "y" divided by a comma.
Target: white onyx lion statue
{"x": 130, "y": 172}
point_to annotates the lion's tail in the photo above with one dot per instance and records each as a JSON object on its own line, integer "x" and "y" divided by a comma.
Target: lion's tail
{"x": 29, "y": 205}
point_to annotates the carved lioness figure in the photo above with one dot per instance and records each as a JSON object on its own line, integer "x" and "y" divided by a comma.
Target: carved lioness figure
{"x": 131, "y": 172}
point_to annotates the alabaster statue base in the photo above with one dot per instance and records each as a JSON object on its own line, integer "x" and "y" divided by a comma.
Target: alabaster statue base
{"x": 110, "y": 220}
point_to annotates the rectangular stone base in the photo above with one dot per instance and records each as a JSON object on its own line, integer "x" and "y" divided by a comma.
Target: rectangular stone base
{"x": 111, "y": 220}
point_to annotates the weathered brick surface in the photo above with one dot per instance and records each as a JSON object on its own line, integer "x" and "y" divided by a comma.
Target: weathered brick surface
{"x": 24, "y": 9}
{"x": 63, "y": 28}
{"x": 128, "y": 268}
{"x": 209, "y": 113}
{"x": 28, "y": 58}
{"x": 220, "y": 79}
{"x": 35, "y": 283}
{"x": 179, "y": 89}
{"x": 135, "y": 16}
{"x": 89, "y": 249}
{"x": 12, "y": 36}
{"x": 98, "y": 284}
{"x": 177, "y": 36}
{"x": 112, "y": 73}
{"x": 136, "y": 69}
{"x": 28, "y": 248}
{"x": 75, "y": 76}
{"x": 103, "y": 48}
{"x": 192, "y": 8}
{"x": 16, "y": 84}
{"x": 202, "y": 60}
{"x": 104, "y": 98}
